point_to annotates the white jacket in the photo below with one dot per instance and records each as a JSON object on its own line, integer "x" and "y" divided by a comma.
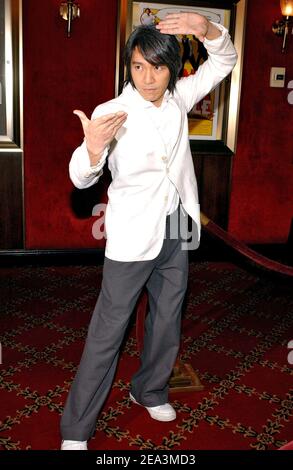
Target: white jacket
{"x": 136, "y": 211}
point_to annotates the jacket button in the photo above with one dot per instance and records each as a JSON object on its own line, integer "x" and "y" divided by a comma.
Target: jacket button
{"x": 164, "y": 159}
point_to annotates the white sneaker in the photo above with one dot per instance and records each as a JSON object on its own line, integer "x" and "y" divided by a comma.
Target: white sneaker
{"x": 73, "y": 445}
{"x": 164, "y": 412}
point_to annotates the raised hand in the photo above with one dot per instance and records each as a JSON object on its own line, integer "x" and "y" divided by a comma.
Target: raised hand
{"x": 188, "y": 23}
{"x": 100, "y": 132}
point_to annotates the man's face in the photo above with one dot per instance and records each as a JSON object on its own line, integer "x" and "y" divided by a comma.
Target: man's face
{"x": 151, "y": 81}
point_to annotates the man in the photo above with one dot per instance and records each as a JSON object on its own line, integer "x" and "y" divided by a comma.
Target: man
{"x": 144, "y": 135}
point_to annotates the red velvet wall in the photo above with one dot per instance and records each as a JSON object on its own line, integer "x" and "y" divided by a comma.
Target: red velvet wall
{"x": 62, "y": 74}
{"x": 262, "y": 180}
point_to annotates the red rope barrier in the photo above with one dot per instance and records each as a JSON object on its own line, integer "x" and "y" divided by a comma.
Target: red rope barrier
{"x": 242, "y": 248}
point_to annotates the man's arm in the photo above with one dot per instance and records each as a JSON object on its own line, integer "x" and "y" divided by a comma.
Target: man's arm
{"x": 85, "y": 167}
{"x": 81, "y": 172}
{"x": 222, "y": 54}
{"x": 189, "y": 23}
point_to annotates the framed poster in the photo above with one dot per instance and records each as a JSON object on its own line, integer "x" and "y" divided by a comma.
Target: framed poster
{"x": 214, "y": 120}
{"x": 10, "y": 74}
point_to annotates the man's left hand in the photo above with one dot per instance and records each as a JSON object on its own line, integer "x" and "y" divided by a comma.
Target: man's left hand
{"x": 189, "y": 23}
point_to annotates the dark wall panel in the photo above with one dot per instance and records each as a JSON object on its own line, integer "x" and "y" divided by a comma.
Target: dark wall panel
{"x": 11, "y": 221}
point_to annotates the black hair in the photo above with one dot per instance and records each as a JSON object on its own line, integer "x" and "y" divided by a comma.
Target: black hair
{"x": 156, "y": 48}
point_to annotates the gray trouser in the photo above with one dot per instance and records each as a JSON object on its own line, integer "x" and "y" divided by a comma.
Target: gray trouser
{"x": 165, "y": 278}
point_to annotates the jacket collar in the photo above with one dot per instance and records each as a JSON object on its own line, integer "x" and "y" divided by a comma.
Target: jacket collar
{"x": 130, "y": 94}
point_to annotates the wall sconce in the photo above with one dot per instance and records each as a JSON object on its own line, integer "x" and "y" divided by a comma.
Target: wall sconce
{"x": 69, "y": 11}
{"x": 281, "y": 27}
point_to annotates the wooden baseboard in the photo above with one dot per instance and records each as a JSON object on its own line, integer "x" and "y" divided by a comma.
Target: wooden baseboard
{"x": 52, "y": 257}
{"x": 209, "y": 250}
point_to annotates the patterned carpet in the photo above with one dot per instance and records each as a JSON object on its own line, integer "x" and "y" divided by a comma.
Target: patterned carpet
{"x": 236, "y": 331}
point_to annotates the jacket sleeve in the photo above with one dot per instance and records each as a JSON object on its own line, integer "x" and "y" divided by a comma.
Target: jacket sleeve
{"x": 222, "y": 58}
{"x": 81, "y": 173}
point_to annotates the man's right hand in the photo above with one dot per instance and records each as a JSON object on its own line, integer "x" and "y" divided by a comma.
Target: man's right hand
{"x": 100, "y": 132}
